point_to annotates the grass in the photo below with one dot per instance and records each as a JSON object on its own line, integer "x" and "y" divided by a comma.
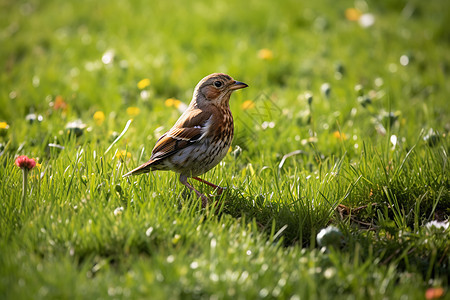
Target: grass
{"x": 342, "y": 125}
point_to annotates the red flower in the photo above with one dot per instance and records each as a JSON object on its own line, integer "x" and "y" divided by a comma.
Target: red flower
{"x": 434, "y": 293}
{"x": 24, "y": 162}
{"x": 60, "y": 103}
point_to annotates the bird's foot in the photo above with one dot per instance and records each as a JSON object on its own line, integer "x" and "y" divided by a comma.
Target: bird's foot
{"x": 220, "y": 190}
{"x": 205, "y": 200}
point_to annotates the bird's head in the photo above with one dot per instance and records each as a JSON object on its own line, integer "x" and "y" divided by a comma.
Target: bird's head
{"x": 216, "y": 89}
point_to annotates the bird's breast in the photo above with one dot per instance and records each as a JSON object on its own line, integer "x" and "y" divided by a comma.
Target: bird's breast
{"x": 222, "y": 129}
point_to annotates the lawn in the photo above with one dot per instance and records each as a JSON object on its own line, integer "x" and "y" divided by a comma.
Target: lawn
{"x": 338, "y": 178}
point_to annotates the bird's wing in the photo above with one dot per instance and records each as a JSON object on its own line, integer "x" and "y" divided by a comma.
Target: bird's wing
{"x": 189, "y": 129}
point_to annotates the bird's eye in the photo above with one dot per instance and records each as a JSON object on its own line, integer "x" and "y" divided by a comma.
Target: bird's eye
{"x": 217, "y": 84}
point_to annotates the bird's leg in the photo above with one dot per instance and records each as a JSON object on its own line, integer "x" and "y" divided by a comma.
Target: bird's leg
{"x": 216, "y": 187}
{"x": 183, "y": 180}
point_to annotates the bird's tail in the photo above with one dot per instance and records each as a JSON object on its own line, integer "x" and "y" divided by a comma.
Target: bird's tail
{"x": 144, "y": 168}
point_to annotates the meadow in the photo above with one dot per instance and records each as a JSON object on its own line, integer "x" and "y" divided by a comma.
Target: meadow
{"x": 344, "y": 127}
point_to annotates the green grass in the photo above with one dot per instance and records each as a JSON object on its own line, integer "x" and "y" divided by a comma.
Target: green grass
{"x": 368, "y": 153}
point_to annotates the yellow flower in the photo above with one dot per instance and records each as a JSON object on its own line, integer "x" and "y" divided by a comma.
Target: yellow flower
{"x": 169, "y": 102}
{"x": 352, "y": 14}
{"x": 123, "y": 154}
{"x": 4, "y": 125}
{"x": 99, "y": 117}
{"x": 143, "y": 83}
{"x": 265, "y": 54}
{"x": 248, "y": 104}
{"x": 38, "y": 165}
{"x": 177, "y": 103}
{"x": 172, "y": 102}
{"x": 339, "y": 135}
{"x": 133, "y": 111}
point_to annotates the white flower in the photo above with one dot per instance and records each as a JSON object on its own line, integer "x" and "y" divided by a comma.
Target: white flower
{"x": 366, "y": 20}
{"x": 118, "y": 211}
{"x": 437, "y": 224}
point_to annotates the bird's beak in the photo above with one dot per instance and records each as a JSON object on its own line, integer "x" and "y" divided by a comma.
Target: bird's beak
{"x": 238, "y": 85}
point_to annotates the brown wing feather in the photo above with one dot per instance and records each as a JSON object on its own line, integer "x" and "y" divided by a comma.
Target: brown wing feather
{"x": 174, "y": 141}
{"x": 188, "y": 129}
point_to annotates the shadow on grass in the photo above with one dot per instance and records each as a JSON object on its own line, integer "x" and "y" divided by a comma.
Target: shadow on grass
{"x": 291, "y": 222}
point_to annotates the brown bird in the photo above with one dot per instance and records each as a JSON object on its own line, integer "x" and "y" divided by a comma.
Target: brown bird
{"x": 201, "y": 137}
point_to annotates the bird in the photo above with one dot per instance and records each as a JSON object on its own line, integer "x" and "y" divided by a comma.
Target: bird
{"x": 200, "y": 138}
